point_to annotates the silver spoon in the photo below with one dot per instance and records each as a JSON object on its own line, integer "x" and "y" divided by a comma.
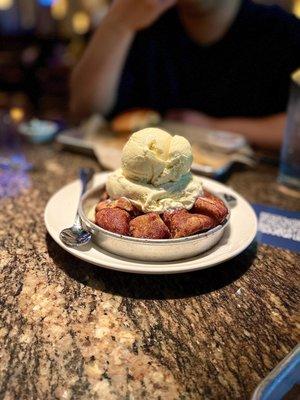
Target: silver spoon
{"x": 76, "y": 236}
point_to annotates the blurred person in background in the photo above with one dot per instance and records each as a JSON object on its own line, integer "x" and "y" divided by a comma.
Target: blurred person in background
{"x": 220, "y": 64}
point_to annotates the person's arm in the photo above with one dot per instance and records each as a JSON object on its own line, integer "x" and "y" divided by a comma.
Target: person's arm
{"x": 95, "y": 79}
{"x": 264, "y": 132}
{"x": 260, "y": 131}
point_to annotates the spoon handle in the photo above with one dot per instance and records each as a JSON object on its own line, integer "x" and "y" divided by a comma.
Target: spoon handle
{"x": 229, "y": 199}
{"x": 85, "y": 176}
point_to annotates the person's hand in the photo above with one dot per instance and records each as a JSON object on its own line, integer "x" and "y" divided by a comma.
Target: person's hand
{"x": 191, "y": 117}
{"x": 138, "y": 14}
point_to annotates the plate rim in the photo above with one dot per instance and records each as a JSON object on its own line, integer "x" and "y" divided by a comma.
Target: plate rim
{"x": 151, "y": 267}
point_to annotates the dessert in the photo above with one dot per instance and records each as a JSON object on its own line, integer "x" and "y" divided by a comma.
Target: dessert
{"x": 114, "y": 220}
{"x": 212, "y": 206}
{"x": 154, "y": 195}
{"x": 182, "y": 223}
{"x": 155, "y": 172}
{"x": 149, "y": 226}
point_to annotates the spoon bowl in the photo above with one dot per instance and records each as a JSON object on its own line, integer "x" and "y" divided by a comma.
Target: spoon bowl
{"x": 76, "y": 236}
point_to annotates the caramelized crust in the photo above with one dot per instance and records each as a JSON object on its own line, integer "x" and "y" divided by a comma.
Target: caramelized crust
{"x": 168, "y": 216}
{"x": 116, "y": 216}
{"x": 113, "y": 220}
{"x": 122, "y": 203}
{"x": 149, "y": 226}
{"x": 181, "y": 223}
{"x": 126, "y": 205}
{"x": 208, "y": 194}
{"x": 103, "y": 204}
{"x": 211, "y": 206}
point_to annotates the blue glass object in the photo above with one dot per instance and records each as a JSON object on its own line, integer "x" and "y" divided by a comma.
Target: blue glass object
{"x": 14, "y": 167}
{"x": 289, "y": 174}
{"x": 45, "y": 3}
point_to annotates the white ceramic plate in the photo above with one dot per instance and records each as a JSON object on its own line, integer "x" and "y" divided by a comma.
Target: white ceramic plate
{"x": 61, "y": 209}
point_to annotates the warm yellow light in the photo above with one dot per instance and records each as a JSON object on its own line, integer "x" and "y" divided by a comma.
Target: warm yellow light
{"x": 6, "y": 4}
{"x": 296, "y": 8}
{"x": 59, "y": 9}
{"x": 16, "y": 114}
{"x": 81, "y": 22}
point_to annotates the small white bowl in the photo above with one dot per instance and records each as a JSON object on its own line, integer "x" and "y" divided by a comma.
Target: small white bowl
{"x": 38, "y": 131}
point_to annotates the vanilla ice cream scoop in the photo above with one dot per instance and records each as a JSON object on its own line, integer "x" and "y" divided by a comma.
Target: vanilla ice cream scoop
{"x": 149, "y": 198}
{"x": 155, "y": 157}
{"x": 155, "y": 174}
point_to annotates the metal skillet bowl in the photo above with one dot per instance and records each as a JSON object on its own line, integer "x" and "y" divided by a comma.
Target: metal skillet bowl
{"x": 146, "y": 249}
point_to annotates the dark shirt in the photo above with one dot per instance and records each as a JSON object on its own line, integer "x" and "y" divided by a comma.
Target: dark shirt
{"x": 246, "y": 73}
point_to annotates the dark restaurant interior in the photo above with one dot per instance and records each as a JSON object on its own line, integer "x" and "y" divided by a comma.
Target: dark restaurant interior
{"x": 41, "y": 41}
{"x": 149, "y": 199}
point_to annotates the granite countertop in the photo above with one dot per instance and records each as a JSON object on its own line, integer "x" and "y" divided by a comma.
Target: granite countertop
{"x": 70, "y": 330}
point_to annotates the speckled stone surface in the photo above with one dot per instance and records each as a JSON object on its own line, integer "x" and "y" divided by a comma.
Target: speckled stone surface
{"x": 69, "y": 330}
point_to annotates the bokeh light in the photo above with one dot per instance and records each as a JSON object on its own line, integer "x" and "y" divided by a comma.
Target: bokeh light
{"x": 17, "y": 114}
{"x": 81, "y": 22}
{"x": 59, "y": 9}
{"x": 6, "y": 4}
{"x": 296, "y": 8}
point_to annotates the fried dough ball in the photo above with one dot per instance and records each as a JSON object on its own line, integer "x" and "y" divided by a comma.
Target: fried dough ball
{"x": 113, "y": 220}
{"x": 182, "y": 223}
{"x": 103, "y": 204}
{"x": 122, "y": 203}
{"x": 211, "y": 206}
{"x": 116, "y": 216}
{"x": 149, "y": 226}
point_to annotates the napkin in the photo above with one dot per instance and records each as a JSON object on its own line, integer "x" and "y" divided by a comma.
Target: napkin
{"x": 108, "y": 157}
{"x": 277, "y": 227}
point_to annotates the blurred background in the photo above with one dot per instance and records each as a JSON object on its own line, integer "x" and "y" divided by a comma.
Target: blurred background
{"x": 41, "y": 40}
